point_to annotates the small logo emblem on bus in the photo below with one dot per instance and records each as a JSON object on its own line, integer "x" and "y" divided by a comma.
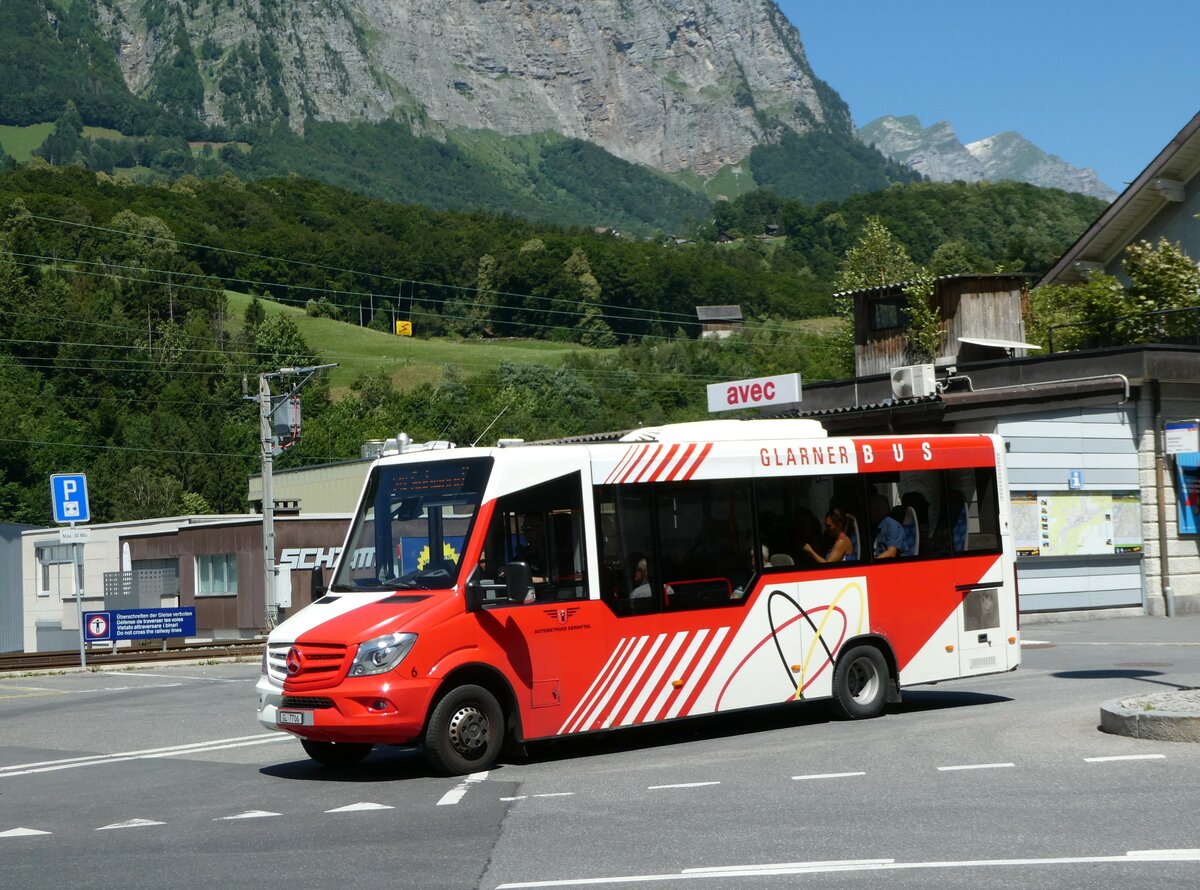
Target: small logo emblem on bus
{"x": 294, "y": 662}
{"x": 561, "y": 614}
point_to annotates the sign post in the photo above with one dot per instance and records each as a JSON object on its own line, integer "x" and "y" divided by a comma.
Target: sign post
{"x": 68, "y": 493}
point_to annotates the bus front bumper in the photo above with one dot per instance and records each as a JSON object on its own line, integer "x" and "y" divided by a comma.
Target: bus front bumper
{"x": 366, "y": 709}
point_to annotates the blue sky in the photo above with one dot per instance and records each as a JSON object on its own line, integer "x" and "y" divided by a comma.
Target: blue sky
{"x": 1103, "y": 83}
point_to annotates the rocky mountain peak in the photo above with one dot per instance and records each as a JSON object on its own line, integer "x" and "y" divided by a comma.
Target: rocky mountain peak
{"x": 936, "y": 152}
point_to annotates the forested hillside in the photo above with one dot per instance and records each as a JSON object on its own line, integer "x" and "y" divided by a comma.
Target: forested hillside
{"x": 120, "y": 357}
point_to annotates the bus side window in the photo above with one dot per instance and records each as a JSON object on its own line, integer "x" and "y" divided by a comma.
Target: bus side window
{"x": 973, "y": 515}
{"x": 705, "y": 536}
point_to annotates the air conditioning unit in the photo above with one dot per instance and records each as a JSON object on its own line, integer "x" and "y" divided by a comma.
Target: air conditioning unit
{"x": 913, "y": 382}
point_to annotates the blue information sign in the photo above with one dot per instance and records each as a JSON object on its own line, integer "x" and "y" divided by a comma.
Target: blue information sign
{"x": 68, "y": 491}
{"x": 139, "y": 624}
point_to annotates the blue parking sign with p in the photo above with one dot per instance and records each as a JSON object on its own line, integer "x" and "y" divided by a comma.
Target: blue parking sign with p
{"x": 68, "y": 491}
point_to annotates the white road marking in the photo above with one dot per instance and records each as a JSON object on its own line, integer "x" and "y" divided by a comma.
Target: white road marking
{"x": 48, "y": 766}
{"x": 527, "y": 796}
{"x": 22, "y": 832}
{"x": 753, "y": 869}
{"x": 1092, "y": 643}
{"x": 796, "y": 868}
{"x": 1125, "y": 757}
{"x": 826, "y": 776}
{"x": 360, "y": 807}
{"x": 454, "y": 795}
{"x": 132, "y": 823}
{"x": 947, "y": 769}
{"x": 681, "y": 785}
{"x": 249, "y": 814}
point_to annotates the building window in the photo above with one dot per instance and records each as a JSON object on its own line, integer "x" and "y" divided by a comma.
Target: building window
{"x": 216, "y": 574}
{"x": 888, "y": 312}
{"x": 56, "y": 555}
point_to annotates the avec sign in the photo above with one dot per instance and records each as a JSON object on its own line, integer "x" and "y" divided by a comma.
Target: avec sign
{"x": 760, "y": 392}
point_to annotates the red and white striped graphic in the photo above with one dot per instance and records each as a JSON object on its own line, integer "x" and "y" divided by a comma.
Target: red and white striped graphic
{"x": 646, "y": 666}
{"x": 659, "y": 463}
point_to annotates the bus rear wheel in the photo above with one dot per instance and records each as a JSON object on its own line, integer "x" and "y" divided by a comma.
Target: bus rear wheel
{"x": 336, "y": 753}
{"x": 860, "y": 683}
{"x": 465, "y": 731}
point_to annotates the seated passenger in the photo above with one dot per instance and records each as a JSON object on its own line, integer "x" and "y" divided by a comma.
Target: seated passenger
{"x": 890, "y": 540}
{"x": 841, "y": 548}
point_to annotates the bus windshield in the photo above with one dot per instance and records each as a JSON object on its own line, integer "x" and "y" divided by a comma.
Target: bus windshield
{"x": 412, "y": 525}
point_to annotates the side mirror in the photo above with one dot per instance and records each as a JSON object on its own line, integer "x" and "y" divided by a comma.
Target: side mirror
{"x": 520, "y": 581}
{"x": 473, "y": 592}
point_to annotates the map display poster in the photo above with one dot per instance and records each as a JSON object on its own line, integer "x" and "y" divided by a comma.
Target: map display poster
{"x": 1076, "y": 523}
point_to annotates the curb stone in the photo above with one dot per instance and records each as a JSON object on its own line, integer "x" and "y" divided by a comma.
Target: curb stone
{"x": 1164, "y": 716}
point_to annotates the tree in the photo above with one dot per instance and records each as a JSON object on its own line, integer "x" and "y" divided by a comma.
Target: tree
{"x": 278, "y": 344}
{"x": 876, "y": 259}
{"x": 924, "y": 321}
{"x": 1161, "y": 277}
{"x": 1100, "y": 312}
{"x": 1075, "y": 316}
{"x": 65, "y": 141}
{"x": 591, "y": 328}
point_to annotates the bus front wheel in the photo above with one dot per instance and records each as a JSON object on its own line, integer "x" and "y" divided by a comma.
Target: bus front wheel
{"x": 465, "y": 731}
{"x": 860, "y": 683}
{"x": 336, "y": 753}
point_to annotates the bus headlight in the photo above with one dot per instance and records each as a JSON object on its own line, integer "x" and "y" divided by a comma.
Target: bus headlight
{"x": 381, "y": 654}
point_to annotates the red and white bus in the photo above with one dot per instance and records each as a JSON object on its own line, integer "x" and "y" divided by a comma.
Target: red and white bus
{"x": 536, "y": 591}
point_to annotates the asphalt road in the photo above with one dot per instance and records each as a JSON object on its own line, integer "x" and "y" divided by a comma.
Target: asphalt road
{"x": 162, "y": 778}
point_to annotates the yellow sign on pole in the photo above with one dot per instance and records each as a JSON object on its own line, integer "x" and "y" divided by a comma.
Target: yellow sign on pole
{"x": 404, "y": 329}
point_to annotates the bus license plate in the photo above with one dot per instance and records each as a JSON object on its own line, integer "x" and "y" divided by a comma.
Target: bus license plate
{"x": 293, "y": 718}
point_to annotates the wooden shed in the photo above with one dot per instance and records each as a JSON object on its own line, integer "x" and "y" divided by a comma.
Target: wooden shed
{"x": 718, "y": 322}
{"x": 976, "y": 311}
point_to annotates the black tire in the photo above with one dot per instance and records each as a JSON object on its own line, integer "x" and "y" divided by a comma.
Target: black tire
{"x": 860, "y": 683}
{"x": 465, "y": 731}
{"x": 336, "y": 753}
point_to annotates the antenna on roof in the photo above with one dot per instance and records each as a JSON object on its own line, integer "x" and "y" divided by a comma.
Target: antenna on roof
{"x": 490, "y": 425}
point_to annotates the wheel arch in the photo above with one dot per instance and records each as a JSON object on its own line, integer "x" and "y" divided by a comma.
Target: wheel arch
{"x": 491, "y": 679}
{"x": 880, "y": 642}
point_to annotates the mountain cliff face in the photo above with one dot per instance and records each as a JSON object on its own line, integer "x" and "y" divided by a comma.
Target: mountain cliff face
{"x": 673, "y": 84}
{"x": 937, "y": 153}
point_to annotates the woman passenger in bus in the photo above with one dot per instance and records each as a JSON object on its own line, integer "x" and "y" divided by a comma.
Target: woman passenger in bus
{"x": 842, "y": 549}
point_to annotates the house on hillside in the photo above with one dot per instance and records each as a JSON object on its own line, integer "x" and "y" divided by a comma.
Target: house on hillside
{"x": 719, "y": 322}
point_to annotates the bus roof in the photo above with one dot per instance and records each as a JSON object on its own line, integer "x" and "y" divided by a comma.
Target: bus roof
{"x": 756, "y": 430}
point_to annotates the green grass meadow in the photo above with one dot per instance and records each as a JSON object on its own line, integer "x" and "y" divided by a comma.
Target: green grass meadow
{"x": 410, "y": 361}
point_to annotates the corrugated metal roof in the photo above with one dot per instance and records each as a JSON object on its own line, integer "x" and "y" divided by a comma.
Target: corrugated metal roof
{"x": 719, "y": 313}
{"x": 888, "y": 288}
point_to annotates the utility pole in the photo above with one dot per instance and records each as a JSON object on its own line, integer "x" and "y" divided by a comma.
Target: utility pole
{"x": 271, "y": 445}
